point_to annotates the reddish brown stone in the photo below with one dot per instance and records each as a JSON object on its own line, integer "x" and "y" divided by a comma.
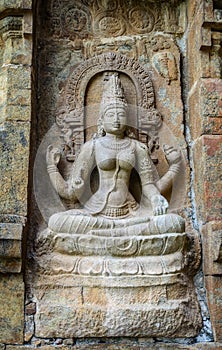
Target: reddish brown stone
{"x": 214, "y": 295}
{"x": 212, "y": 248}
{"x": 207, "y": 163}
{"x": 206, "y": 107}
{"x": 30, "y": 309}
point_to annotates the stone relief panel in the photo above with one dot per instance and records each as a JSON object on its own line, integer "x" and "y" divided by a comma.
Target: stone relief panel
{"x": 118, "y": 239}
{"x": 111, "y": 259}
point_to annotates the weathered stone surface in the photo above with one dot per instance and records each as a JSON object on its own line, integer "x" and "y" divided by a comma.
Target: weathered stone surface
{"x": 124, "y": 308}
{"x": 14, "y": 148}
{"x": 206, "y": 107}
{"x": 207, "y": 159}
{"x": 15, "y": 4}
{"x": 123, "y": 345}
{"x": 10, "y": 247}
{"x": 212, "y": 248}
{"x": 11, "y": 265}
{"x": 11, "y": 228}
{"x": 11, "y": 231}
{"x": 214, "y": 295}
{"x": 29, "y": 328}
{"x": 30, "y": 309}
{"x": 11, "y": 309}
{"x": 194, "y": 56}
{"x": 16, "y": 93}
{"x": 17, "y": 49}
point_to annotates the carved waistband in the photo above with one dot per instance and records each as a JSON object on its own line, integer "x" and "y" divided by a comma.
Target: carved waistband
{"x": 120, "y": 211}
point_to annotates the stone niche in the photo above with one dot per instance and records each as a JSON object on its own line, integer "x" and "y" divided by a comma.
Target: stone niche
{"x": 115, "y": 283}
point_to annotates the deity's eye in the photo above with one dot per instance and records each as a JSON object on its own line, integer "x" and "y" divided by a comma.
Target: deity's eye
{"x": 110, "y": 115}
{"x": 121, "y": 115}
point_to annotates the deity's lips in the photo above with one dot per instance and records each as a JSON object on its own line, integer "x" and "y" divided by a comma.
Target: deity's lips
{"x": 116, "y": 125}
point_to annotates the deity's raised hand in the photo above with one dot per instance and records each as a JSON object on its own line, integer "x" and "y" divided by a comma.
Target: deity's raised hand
{"x": 172, "y": 155}
{"x": 53, "y": 155}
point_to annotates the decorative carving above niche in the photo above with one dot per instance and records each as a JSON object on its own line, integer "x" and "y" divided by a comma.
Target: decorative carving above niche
{"x": 159, "y": 50}
{"x": 85, "y": 19}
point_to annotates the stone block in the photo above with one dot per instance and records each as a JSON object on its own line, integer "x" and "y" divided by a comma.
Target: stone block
{"x": 207, "y": 152}
{"x": 11, "y": 309}
{"x": 28, "y": 22}
{"x": 212, "y": 248}
{"x": 126, "y": 307}
{"x": 21, "y": 97}
{"x": 18, "y": 50}
{"x": 14, "y": 147}
{"x": 17, "y": 47}
{"x": 10, "y": 265}
{"x": 193, "y": 8}
{"x": 18, "y": 76}
{"x": 10, "y": 247}
{"x": 205, "y": 103}
{"x": 15, "y": 4}
{"x": 29, "y": 328}
{"x": 214, "y": 296}
{"x": 11, "y": 231}
{"x": 16, "y": 112}
{"x": 193, "y": 52}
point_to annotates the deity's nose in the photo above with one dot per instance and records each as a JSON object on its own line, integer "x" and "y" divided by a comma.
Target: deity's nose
{"x": 116, "y": 117}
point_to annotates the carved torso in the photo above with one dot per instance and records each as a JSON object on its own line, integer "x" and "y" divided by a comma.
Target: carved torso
{"x": 115, "y": 161}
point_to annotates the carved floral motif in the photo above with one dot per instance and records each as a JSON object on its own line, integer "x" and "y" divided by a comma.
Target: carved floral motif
{"x": 103, "y": 18}
{"x": 141, "y": 20}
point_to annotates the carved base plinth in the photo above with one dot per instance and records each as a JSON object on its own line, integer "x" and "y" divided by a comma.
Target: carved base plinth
{"x": 90, "y": 306}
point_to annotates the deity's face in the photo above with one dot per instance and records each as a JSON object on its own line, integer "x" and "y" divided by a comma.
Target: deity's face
{"x": 115, "y": 120}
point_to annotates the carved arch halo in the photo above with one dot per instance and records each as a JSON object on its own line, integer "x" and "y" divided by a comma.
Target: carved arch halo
{"x": 80, "y": 77}
{"x": 110, "y": 61}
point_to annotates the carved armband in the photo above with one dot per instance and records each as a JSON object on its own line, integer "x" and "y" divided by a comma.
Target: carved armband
{"x": 175, "y": 168}
{"x": 52, "y": 169}
{"x": 146, "y": 172}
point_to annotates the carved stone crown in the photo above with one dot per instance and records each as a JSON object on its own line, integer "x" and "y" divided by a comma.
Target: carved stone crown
{"x": 113, "y": 93}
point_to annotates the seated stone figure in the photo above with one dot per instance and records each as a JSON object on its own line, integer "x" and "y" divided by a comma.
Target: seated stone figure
{"x": 111, "y": 211}
{"x": 117, "y": 264}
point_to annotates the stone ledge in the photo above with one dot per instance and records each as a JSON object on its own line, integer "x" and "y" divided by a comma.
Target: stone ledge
{"x": 7, "y": 5}
{"x": 10, "y": 231}
{"x": 122, "y": 346}
{"x": 11, "y": 23}
{"x": 10, "y": 247}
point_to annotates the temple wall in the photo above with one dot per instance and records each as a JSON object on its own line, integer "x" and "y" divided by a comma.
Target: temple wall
{"x": 204, "y": 137}
{"x": 35, "y": 62}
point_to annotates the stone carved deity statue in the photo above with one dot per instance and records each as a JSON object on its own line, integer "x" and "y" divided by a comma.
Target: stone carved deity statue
{"x": 122, "y": 260}
{"x": 112, "y": 209}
